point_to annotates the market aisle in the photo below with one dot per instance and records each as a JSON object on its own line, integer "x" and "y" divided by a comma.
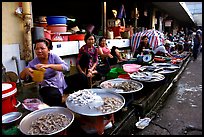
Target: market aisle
{"x": 182, "y": 112}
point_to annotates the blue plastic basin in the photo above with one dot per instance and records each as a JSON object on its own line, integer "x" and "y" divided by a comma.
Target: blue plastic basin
{"x": 56, "y": 20}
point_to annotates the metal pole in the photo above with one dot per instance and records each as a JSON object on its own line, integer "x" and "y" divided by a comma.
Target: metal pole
{"x": 3, "y": 73}
{"x": 104, "y": 18}
{"x": 17, "y": 66}
{"x": 136, "y": 16}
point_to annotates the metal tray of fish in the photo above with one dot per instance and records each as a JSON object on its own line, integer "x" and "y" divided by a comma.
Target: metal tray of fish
{"x": 122, "y": 86}
{"x": 26, "y": 122}
{"x": 166, "y": 65}
{"x": 167, "y": 71}
{"x": 95, "y": 111}
{"x": 147, "y": 68}
{"x": 161, "y": 64}
{"x": 153, "y": 77}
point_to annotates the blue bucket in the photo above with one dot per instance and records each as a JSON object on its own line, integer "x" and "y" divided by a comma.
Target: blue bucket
{"x": 51, "y": 20}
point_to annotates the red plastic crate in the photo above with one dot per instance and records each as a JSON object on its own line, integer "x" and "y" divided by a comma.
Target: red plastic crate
{"x": 76, "y": 37}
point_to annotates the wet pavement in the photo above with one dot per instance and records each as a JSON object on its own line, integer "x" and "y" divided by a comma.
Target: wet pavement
{"x": 181, "y": 113}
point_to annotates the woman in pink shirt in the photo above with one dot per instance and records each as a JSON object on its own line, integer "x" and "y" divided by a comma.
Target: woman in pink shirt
{"x": 112, "y": 55}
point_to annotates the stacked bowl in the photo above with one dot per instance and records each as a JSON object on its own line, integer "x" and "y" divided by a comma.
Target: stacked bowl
{"x": 57, "y": 23}
{"x": 40, "y": 21}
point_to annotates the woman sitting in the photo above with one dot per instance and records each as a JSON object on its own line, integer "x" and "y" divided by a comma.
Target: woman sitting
{"x": 113, "y": 55}
{"x": 163, "y": 50}
{"x": 52, "y": 87}
{"x": 144, "y": 47}
{"x": 88, "y": 57}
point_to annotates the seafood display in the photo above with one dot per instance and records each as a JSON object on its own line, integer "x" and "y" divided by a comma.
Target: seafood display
{"x": 83, "y": 97}
{"x": 167, "y": 71}
{"x": 165, "y": 68}
{"x": 121, "y": 85}
{"x": 110, "y": 104}
{"x": 139, "y": 74}
{"x": 104, "y": 102}
{"x": 127, "y": 86}
{"x": 48, "y": 123}
{"x": 57, "y": 118}
{"x": 150, "y": 77}
{"x": 161, "y": 64}
{"x": 147, "y": 68}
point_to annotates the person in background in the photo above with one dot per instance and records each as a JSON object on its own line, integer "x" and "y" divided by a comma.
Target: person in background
{"x": 187, "y": 44}
{"x": 144, "y": 47}
{"x": 163, "y": 50}
{"x": 181, "y": 32}
{"x": 170, "y": 37}
{"x": 199, "y": 32}
{"x": 87, "y": 59}
{"x": 179, "y": 47}
{"x": 196, "y": 46}
{"x": 52, "y": 87}
{"x": 113, "y": 55}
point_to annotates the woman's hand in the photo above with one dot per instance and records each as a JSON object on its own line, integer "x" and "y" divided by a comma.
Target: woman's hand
{"x": 29, "y": 72}
{"x": 90, "y": 70}
{"x": 89, "y": 74}
{"x": 40, "y": 66}
{"x": 110, "y": 56}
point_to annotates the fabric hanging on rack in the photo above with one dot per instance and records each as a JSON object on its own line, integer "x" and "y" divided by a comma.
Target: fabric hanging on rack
{"x": 121, "y": 13}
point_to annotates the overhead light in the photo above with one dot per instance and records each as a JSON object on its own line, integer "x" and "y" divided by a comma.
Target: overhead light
{"x": 145, "y": 13}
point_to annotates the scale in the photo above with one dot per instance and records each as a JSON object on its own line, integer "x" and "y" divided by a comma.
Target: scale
{"x": 147, "y": 58}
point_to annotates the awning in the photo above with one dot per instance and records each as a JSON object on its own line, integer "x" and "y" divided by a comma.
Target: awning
{"x": 177, "y": 10}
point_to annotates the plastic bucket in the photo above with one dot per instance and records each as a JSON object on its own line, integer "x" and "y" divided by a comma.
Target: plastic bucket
{"x": 9, "y": 102}
{"x": 42, "y": 24}
{"x": 47, "y": 34}
{"x": 37, "y": 33}
{"x": 57, "y": 28}
{"x": 56, "y": 20}
{"x": 38, "y": 75}
{"x": 110, "y": 34}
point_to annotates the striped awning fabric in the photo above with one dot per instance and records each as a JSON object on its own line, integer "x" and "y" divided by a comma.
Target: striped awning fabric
{"x": 156, "y": 38}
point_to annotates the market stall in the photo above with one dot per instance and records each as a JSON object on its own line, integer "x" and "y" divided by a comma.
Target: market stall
{"x": 155, "y": 37}
{"x": 92, "y": 105}
{"x": 144, "y": 100}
